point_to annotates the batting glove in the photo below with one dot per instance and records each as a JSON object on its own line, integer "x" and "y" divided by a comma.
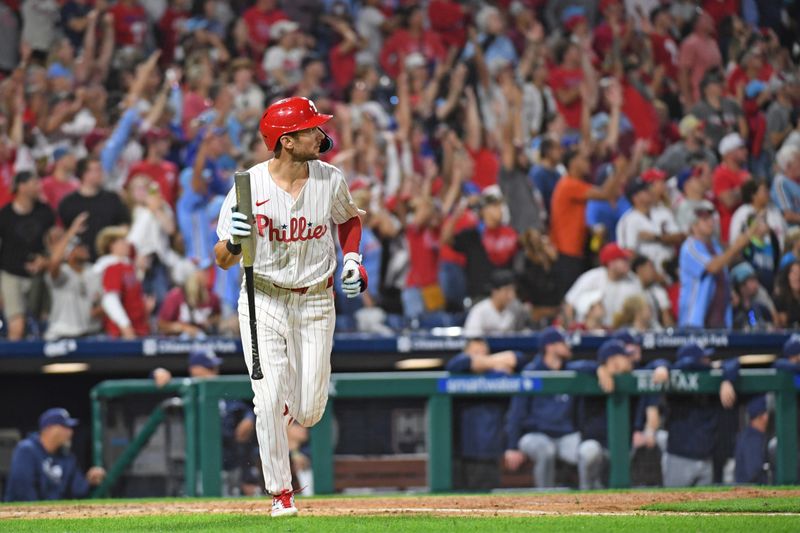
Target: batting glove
{"x": 240, "y": 228}
{"x": 354, "y": 275}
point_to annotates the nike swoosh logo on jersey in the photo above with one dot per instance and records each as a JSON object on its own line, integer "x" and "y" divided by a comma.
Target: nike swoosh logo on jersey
{"x": 259, "y": 204}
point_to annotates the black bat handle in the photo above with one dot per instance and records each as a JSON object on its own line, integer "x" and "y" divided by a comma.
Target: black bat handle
{"x": 251, "y": 306}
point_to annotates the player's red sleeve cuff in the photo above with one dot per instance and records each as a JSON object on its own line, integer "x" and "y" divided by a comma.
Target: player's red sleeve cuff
{"x": 364, "y": 278}
{"x": 350, "y": 235}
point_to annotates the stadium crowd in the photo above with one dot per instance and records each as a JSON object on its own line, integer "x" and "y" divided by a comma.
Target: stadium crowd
{"x": 624, "y": 163}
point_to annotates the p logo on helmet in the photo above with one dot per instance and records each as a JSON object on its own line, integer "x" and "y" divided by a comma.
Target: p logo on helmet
{"x": 290, "y": 115}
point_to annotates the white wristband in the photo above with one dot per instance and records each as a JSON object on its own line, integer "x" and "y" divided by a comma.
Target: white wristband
{"x": 352, "y": 255}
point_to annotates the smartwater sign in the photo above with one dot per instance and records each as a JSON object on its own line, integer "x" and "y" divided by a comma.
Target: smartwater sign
{"x": 486, "y": 385}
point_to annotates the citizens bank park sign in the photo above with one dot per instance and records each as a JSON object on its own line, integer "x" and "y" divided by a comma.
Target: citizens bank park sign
{"x": 529, "y": 341}
{"x": 169, "y": 346}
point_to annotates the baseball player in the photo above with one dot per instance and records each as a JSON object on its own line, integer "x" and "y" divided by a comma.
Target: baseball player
{"x": 693, "y": 419}
{"x": 542, "y": 427}
{"x": 295, "y": 199}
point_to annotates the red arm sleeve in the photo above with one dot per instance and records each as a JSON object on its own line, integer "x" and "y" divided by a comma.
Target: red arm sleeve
{"x": 112, "y": 279}
{"x": 350, "y": 235}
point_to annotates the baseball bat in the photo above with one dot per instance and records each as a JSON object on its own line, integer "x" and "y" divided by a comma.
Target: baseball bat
{"x": 244, "y": 203}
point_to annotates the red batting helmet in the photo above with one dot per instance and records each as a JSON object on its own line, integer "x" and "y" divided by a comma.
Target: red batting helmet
{"x": 290, "y": 115}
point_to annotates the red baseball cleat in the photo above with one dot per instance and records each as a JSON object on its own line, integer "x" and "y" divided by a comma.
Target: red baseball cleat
{"x": 283, "y": 504}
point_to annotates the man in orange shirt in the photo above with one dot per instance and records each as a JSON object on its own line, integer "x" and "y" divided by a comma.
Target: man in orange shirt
{"x": 568, "y": 214}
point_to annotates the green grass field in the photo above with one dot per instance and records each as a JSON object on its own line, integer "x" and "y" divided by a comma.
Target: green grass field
{"x": 739, "y": 505}
{"x": 773, "y": 512}
{"x": 421, "y": 524}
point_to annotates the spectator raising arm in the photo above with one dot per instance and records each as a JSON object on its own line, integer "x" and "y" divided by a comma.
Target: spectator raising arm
{"x": 481, "y": 68}
{"x": 112, "y": 150}
{"x": 718, "y": 262}
{"x": 58, "y": 251}
{"x": 473, "y": 133}
{"x": 403, "y": 109}
{"x": 88, "y": 68}
{"x": 199, "y": 184}
{"x": 173, "y": 77}
{"x": 64, "y": 112}
{"x": 85, "y": 62}
{"x": 433, "y": 88}
{"x": 589, "y": 73}
{"x": 461, "y": 166}
{"x": 534, "y": 38}
{"x": 448, "y": 228}
{"x": 143, "y": 72}
{"x": 103, "y": 64}
{"x": 511, "y": 128}
{"x": 684, "y": 80}
{"x": 614, "y": 96}
{"x": 455, "y": 88}
{"x": 17, "y": 130}
{"x": 153, "y": 117}
{"x": 611, "y": 187}
{"x": 130, "y": 118}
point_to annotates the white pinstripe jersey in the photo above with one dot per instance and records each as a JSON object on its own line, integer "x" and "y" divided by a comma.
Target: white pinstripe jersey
{"x": 294, "y": 239}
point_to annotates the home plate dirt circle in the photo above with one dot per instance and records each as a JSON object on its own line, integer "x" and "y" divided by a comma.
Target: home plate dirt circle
{"x": 567, "y": 503}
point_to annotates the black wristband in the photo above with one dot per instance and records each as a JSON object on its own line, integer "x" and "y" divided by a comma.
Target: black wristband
{"x": 234, "y": 249}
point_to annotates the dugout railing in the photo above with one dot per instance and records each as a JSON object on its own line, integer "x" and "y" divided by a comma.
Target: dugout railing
{"x": 184, "y": 389}
{"x": 201, "y": 398}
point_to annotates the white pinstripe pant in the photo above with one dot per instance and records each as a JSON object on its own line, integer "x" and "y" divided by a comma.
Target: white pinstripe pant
{"x": 295, "y": 336}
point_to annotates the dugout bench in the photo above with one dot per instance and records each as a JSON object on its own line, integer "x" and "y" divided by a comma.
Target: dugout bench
{"x": 203, "y": 441}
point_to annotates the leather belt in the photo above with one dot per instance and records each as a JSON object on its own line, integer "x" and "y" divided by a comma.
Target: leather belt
{"x": 303, "y": 290}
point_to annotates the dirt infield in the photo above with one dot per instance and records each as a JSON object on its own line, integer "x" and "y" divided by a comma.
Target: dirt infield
{"x": 573, "y": 503}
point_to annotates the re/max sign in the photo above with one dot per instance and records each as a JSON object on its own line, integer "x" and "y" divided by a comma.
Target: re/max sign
{"x": 677, "y": 381}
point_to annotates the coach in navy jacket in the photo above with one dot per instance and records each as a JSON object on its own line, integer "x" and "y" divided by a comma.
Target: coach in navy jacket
{"x": 693, "y": 419}
{"x": 751, "y": 444}
{"x": 551, "y": 415}
{"x": 43, "y": 469}
{"x": 541, "y": 427}
{"x": 480, "y": 441}
{"x": 647, "y": 420}
{"x": 613, "y": 358}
